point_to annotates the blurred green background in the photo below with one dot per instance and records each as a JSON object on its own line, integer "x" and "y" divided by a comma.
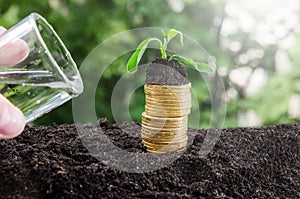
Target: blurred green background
{"x": 255, "y": 45}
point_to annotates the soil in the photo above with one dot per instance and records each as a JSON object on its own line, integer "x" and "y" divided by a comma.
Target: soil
{"x": 164, "y": 72}
{"x": 51, "y": 162}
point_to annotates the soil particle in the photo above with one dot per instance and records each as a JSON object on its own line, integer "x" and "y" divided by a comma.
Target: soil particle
{"x": 51, "y": 162}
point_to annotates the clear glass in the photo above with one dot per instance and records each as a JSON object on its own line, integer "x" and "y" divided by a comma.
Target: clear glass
{"x": 46, "y": 77}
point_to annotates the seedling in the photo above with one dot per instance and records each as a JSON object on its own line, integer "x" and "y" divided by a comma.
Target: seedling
{"x": 135, "y": 58}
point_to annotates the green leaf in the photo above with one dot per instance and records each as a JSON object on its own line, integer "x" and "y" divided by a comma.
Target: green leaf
{"x": 135, "y": 58}
{"x": 172, "y": 33}
{"x": 201, "y": 67}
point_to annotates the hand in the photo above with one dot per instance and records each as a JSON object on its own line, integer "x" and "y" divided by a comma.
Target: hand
{"x": 12, "y": 120}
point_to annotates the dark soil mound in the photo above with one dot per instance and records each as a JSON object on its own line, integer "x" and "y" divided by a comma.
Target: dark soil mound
{"x": 164, "y": 72}
{"x": 51, "y": 162}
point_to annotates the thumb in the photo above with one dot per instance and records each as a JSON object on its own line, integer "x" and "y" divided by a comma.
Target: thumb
{"x": 12, "y": 121}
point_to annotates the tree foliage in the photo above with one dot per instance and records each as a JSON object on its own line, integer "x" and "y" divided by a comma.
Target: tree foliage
{"x": 82, "y": 24}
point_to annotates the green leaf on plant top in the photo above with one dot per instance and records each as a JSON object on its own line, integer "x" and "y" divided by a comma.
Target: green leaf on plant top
{"x": 172, "y": 33}
{"x": 201, "y": 67}
{"x": 135, "y": 58}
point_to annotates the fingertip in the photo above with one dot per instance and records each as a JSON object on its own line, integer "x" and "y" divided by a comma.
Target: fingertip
{"x": 22, "y": 52}
{"x": 12, "y": 121}
{"x": 14, "y": 53}
{"x": 2, "y": 30}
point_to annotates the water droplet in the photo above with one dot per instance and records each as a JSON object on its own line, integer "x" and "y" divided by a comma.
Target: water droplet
{"x": 28, "y": 93}
{"x": 38, "y": 101}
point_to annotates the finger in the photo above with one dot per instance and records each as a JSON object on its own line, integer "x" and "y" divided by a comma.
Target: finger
{"x": 12, "y": 120}
{"x": 13, "y": 52}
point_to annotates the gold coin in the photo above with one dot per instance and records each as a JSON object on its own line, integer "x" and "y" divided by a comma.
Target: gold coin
{"x": 164, "y": 96}
{"x": 158, "y": 137}
{"x": 153, "y": 108}
{"x": 175, "y": 87}
{"x": 170, "y": 141}
{"x": 166, "y": 135}
{"x": 169, "y": 101}
{"x": 183, "y": 126}
{"x": 167, "y": 114}
{"x": 163, "y": 129}
{"x": 167, "y": 92}
{"x": 163, "y": 125}
{"x": 175, "y": 138}
{"x": 161, "y": 151}
{"x": 159, "y": 119}
{"x": 164, "y": 120}
{"x": 150, "y": 132}
{"x": 165, "y": 147}
{"x": 169, "y": 104}
{"x": 166, "y": 89}
{"x": 158, "y": 141}
{"x": 170, "y": 94}
{"x": 177, "y": 144}
{"x": 168, "y": 109}
{"x": 161, "y": 137}
{"x": 160, "y": 131}
{"x": 157, "y": 127}
{"x": 180, "y": 86}
{"x": 175, "y": 128}
{"x": 151, "y": 122}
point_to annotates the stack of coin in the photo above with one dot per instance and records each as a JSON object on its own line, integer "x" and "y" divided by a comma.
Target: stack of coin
{"x": 164, "y": 122}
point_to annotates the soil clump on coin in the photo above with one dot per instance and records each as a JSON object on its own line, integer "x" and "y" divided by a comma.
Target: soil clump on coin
{"x": 164, "y": 72}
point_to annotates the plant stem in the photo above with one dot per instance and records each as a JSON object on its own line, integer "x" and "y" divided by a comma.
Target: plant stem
{"x": 164, "y": 47}
{"x": 163, "y": 53}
